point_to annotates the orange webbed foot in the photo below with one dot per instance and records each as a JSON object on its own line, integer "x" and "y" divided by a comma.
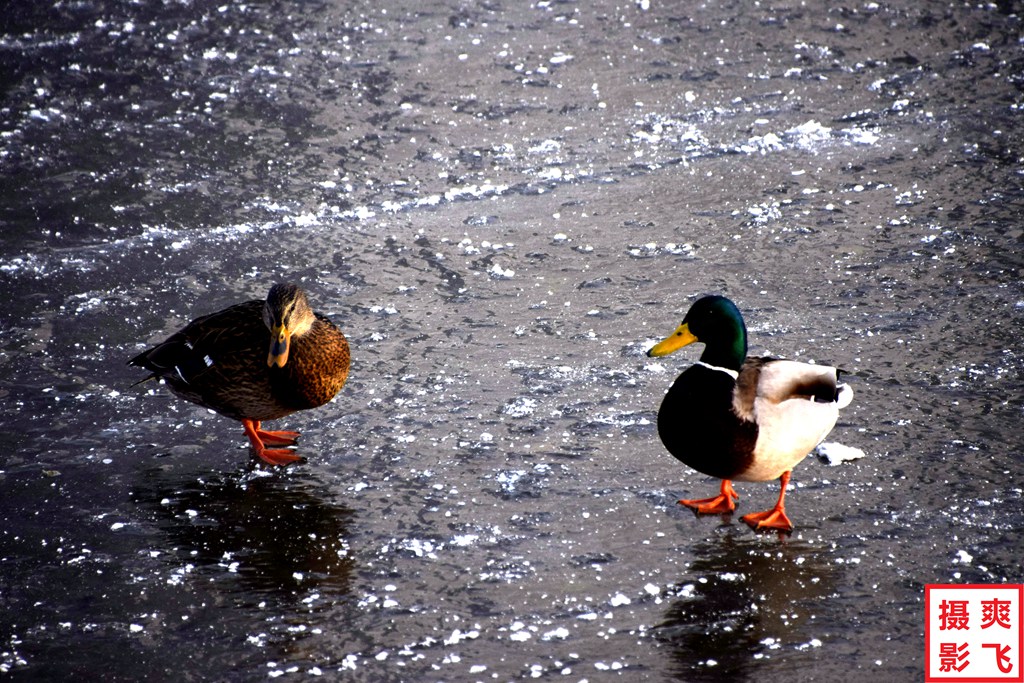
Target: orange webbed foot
{"x": 278, "y": 456}
{"x": 264, "y": 436}
{"x": 277, "y": 438}
{"x": 273, "y": 456}
{"x": 769, "y": 519}
{"x": 776, "y": 517}
{"x": 720, "y": 504}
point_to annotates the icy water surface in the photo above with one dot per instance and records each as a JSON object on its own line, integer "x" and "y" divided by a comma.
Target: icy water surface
{"x": 503, "y": 205}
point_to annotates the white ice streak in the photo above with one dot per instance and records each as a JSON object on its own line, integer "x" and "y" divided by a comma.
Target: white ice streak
{"x": 474, "y": 191}
{"x": 620, "y": 419}
{"x": 808, "y": 135}
{"x": 651, "y": 249}
{"x": 655, "y": 129}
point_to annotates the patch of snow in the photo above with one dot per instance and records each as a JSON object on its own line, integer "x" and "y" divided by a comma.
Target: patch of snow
{"x": 835, "y": 453}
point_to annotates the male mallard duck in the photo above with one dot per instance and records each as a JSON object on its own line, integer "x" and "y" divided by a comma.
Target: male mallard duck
{"x": 739, "y": 418}
{"x": 220, "y": 361}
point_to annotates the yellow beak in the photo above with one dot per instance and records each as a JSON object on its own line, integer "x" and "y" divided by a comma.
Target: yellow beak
{"x": 279, "y": 343}
{"x": 677, "y": 340}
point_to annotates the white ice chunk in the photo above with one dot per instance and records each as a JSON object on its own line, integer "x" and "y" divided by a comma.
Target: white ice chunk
{"x": 836, "y": 453}
{"x": 618, "y": 600}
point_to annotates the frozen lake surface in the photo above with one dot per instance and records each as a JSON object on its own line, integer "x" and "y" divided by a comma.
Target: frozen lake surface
{"x": 503, "y": 205}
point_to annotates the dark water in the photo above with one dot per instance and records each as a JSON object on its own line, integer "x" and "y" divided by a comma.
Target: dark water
{"x": 503, "y": 205}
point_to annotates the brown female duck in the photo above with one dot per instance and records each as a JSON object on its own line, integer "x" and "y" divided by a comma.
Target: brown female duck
{"x": 221, "y": 362}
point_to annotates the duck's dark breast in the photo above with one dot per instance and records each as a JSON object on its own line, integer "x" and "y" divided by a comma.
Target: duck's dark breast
{"x": 697, "y": 424}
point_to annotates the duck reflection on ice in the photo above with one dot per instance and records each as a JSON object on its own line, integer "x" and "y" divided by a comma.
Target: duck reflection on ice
{"x": 743, "y": 604}
{"x": 270, "y": 535}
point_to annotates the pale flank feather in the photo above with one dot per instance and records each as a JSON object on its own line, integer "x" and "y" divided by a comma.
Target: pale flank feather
{"x": 795, "y": 407}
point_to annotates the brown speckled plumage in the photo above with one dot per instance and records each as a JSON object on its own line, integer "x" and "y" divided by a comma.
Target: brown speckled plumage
{"x": 220, "y": 361}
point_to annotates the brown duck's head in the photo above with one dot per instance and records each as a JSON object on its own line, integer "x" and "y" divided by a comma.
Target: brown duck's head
{"x": 286, "y": 314}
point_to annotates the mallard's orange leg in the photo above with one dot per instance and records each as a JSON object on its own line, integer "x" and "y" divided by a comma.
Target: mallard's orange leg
{"x": 275, "y": 438}
{"x": 776, "y": 517}
{"x": 719, "y": 504}
{"x": 271, "y": 456}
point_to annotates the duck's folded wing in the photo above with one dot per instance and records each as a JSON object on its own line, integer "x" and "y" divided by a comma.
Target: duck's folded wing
{"x": 188, "y": 354}
{"x": 782, "y": 380}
